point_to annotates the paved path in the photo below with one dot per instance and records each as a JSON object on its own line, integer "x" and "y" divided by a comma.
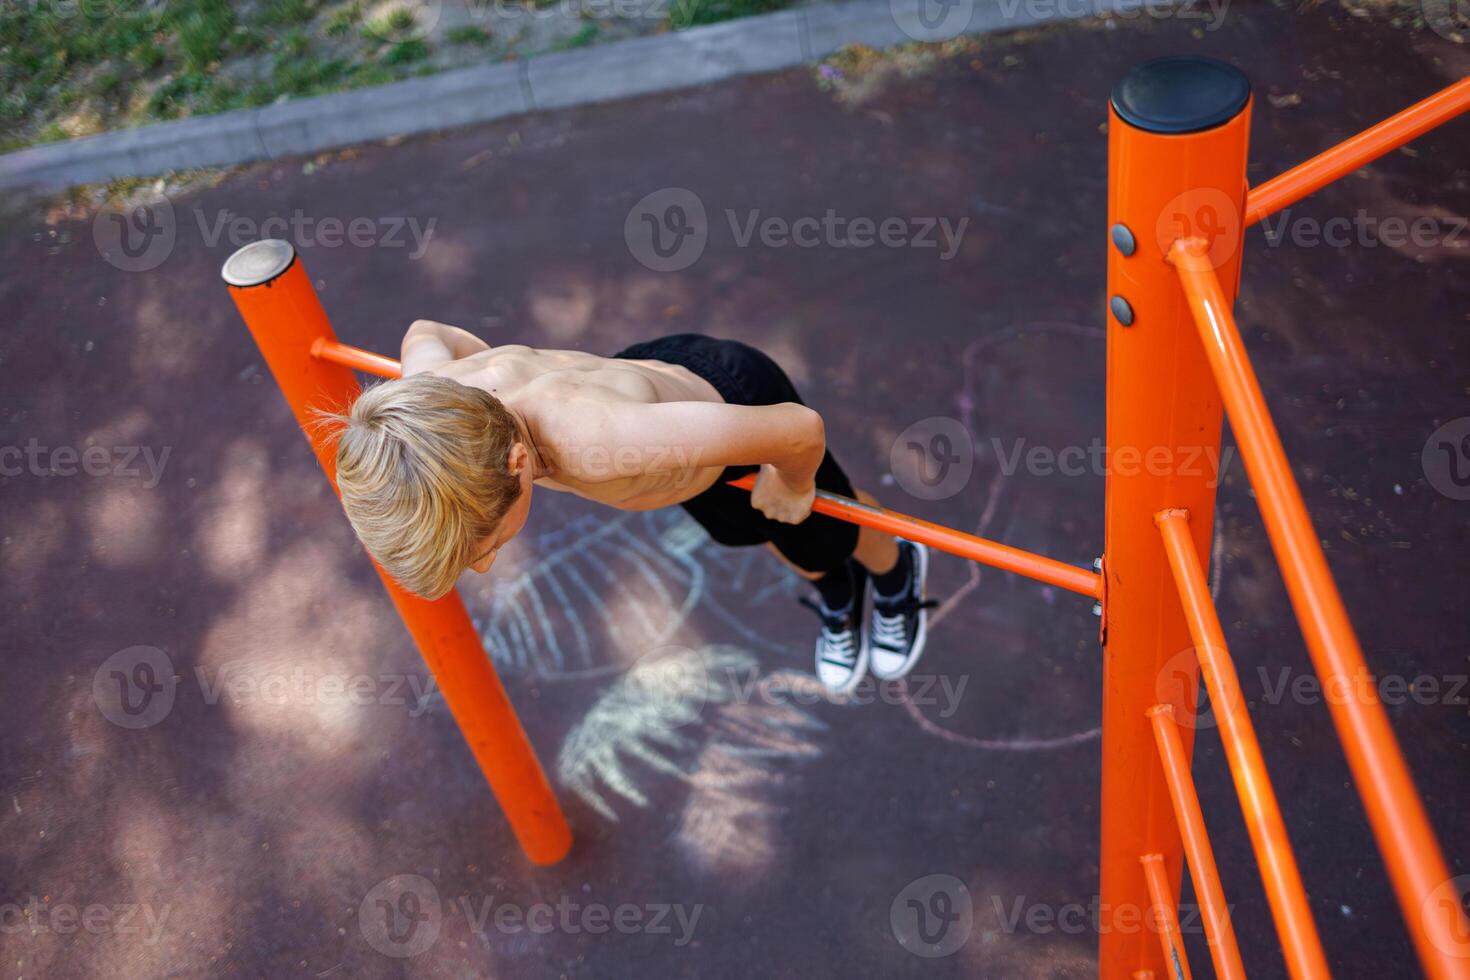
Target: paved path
{"x": 253, "y": 822}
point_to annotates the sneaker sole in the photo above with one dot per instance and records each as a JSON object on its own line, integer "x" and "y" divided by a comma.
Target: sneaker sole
{"x": 923, "y": 634}
{"x": 859, "y": 671}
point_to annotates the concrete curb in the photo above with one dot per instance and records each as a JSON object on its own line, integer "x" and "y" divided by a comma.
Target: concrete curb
{"x": 479, "y": 94}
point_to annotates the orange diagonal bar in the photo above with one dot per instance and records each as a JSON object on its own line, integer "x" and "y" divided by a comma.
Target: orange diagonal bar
{"x": 1163, "y": 898}
{"x": 1202, "y": 870}
{"x": 1402, "y": 828}
{"x": 1300, "y": 944}
{"x": 1347, "y": 156}
{"x": 983, "y": 550}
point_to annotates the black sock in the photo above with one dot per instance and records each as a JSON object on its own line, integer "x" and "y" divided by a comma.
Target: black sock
{"x": 836, "y": 587}
{"x": 896, "y": 579}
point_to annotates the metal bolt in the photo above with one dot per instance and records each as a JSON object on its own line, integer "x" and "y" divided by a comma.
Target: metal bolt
{"x": 1123, "y": 238}
{"x": 1097, "y": 564}
{"x": 1097, "y": 608}
{"x": 1122, "y": 312}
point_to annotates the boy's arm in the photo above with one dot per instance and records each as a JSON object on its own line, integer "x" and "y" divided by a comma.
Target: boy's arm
{"x": 786, "y": 441}
{"x": 429, "y": 344}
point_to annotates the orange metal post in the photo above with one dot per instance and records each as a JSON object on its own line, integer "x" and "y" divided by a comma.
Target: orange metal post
{"x": 278, "y": 304}
{"x": 1300, "y": 943}
{"x": 1410, "y": 849}
{"x": 1347, "y": 156}
{"x": 1171, "y": 943}
{"x": 1206, "y": 876}
{"x": 1177, "y": 136}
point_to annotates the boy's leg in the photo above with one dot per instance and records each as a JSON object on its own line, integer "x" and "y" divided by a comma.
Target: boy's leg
{"x": 877, "y": 551}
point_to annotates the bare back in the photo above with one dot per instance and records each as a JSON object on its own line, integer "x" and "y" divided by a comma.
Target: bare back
{"x": 557, "y": 393}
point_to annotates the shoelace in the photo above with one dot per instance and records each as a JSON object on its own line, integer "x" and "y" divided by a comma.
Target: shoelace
{"x": 891, "y": 621}
{"x": 839, "y": 639}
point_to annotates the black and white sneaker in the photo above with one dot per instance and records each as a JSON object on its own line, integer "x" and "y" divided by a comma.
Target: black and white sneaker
{"x": 896, "y": 632}
{"x": 842, "y": 656}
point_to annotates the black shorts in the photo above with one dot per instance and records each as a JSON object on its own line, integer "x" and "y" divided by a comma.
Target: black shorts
{"x": 745, "y": 376}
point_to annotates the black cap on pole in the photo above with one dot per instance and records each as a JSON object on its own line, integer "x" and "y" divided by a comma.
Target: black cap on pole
{"x": 1184, "y": 94}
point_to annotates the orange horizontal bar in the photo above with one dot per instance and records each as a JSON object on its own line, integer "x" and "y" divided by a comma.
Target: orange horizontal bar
{"x": 987, "y": 552}
{"x": 1202, "y": 871}
{"x": 1300, "y": 944}
{"x": 1162, "y": 897}
{"x": 1352, "y": 153}
{"x": 1405, "y": 837}
{"x": 1044, "y": 569}
{"x": 355, "y": 358}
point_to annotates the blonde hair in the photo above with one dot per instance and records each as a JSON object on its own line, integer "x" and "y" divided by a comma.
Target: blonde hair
{"x": 422, "y": 469}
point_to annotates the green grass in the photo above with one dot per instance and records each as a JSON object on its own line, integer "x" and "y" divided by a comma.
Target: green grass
{"x": 585, "y": 35}
{"x": 689, "y": 13}
{"x": 71, "y": 67}
{"x": 468, "y": 34}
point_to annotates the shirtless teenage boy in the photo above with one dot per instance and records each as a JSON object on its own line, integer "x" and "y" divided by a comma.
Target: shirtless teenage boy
{"x": 436, "y": 470}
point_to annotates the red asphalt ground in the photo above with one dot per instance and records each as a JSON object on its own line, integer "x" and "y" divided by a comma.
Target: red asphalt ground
{"x": 255, "y": 826}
